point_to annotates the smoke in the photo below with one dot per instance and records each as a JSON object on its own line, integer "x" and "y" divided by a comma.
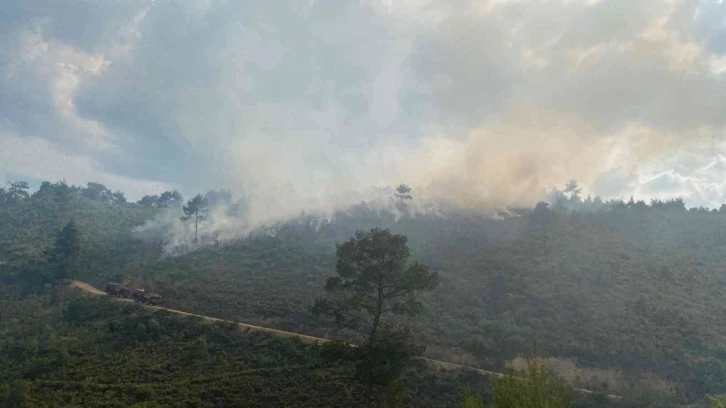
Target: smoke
{"x": 227, "y": 220}
{"x": 474, "y": 104}
{"x": 491, "y": 107}
{"x": 218, "y": 225}
{"x": 308, "y": 106}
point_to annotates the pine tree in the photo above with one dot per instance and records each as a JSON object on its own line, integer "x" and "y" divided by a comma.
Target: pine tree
{"x": 403, "y": 192}
{"x": 374, "y": 281}
{"x": 195, "y": 208}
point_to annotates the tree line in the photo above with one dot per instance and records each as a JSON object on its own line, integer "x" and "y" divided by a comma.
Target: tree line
{"x": 17, "y": 191}
{"x": 569, "y": 199}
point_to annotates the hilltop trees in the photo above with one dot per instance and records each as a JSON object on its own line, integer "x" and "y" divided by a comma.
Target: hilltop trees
{"x": 96, "y": 192}
{"x": 572, "y": 190}
{"x": 374, "y": 281}
{"x": 59, "y": 191}
{"x": 148, "y": 201}
{"x": 195, "y": 208}
{"x": 62, "y": 191}
{"x": 99, "y": 192}
{"x": 165, "y": 200}
{"x": 170, "y": 199}
{"x": 403, "y": 192}
{"x": 17, "y": 191}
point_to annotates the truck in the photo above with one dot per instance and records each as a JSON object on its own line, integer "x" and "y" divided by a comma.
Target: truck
{"x": 137, "y": 295}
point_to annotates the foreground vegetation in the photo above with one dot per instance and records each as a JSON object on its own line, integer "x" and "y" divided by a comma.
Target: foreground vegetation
{"x": 96, "y": 352}
{"x": 532, "y": 387}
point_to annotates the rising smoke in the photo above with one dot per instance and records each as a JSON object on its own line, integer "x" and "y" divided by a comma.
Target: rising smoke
{"x": 310, "y": 105}
{"x": 489, "y": 104}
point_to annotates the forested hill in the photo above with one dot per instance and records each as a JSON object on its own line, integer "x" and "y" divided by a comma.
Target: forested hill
{"x": 595, "y": 290}
{"x": 625, "y": 297}
{"x": 29, "y": 225}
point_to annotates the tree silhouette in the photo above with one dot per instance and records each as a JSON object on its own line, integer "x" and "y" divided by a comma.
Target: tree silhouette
{"x": 96, "y": 192}
{"x": 17, "y": 191}
{"x": 165, "y": 200}
{"x": 195, "y": 208}
{"x": 403, "y": 192}
{"x": 170, "y": 199}
{"x": 374, "y": 280}
{"x": 148, "y": 201}
{"x": 572, "y": 191}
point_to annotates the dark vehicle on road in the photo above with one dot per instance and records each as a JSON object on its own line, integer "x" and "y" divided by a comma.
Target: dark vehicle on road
{"x": 137, "y": 295}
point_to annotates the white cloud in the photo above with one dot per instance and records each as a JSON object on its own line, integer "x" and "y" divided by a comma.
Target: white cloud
{"x": 39, "y": 158}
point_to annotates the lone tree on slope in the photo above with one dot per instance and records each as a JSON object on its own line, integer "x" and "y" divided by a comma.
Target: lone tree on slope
{"x": 195, "y": 208}
{"x": 374, "y": 281}
{"x": 403, "y": 192}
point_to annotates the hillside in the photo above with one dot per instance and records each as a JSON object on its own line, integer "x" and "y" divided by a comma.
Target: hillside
{"x": 595, "y": 297}
{"x": 631, "y": 300}
{"x": 29, "y": 227}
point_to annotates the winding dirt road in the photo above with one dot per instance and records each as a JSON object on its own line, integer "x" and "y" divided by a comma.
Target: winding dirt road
{"x": 85, "y": 287}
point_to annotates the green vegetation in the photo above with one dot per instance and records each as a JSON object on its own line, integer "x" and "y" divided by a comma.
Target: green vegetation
{"x": 166, "y": 200}
{"x": 533, "y": 387}
{"x": 623, "y": 297}
{"x": 718, "y": 402}
{"x": 596, "y": 297}
{"x": 30, "y": 228}
{"x": 95, "y": 352}
{"x": 15, "y": 193}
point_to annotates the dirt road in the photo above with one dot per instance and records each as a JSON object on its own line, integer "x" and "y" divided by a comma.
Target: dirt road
{"x": 86, "y": 287}
{"x": 244, "y": 326}
{"x": 308, "y": 339}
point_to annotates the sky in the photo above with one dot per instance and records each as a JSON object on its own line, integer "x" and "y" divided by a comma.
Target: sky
{"x": 311, "y": 103}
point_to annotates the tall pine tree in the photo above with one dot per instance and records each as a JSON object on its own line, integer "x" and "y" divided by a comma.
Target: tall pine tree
{"x": 375, "y": 280}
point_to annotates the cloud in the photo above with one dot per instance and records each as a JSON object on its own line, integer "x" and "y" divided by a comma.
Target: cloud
{"x": 309, "y": 104}
{"x": 41, "y": 159}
